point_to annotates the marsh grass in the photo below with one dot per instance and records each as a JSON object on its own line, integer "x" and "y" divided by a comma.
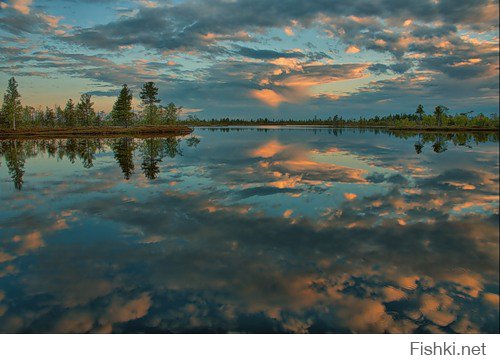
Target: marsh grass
{"x": 143, "y": 130}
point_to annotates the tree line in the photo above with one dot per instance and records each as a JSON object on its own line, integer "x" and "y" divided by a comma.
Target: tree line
{"x": 82, "y": 114}
{"x": 14, "y": 115}
{"x": 439, "y": 117}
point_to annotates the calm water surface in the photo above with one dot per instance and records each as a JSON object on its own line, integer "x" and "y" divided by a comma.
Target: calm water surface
{"x": 251, "y": 230}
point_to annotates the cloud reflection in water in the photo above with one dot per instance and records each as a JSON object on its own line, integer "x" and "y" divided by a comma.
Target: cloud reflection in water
{"x": 250, "y": 231}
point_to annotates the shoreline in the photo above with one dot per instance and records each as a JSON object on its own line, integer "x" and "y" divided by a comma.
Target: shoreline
{"x": 385, "y": 127}
{"x": 186, "y": 129}
{"x": 97, "y": 132}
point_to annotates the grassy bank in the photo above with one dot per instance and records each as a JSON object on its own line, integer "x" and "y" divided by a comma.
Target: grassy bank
{"x": 104, "y": 131}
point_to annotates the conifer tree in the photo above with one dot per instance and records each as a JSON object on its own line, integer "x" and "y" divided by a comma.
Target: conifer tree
{"x": 59, "y": 116}
{"x": 122, "y": 109}
{"x": 420, "y": 112}
{"x": 70, "y": 113}
{"x": 149, "y": 97}
{"x": 49, "y": 118}
{"x": 439, "y": 111}
{"x": 85, "y": 111}
{"x": 11, "y": 108}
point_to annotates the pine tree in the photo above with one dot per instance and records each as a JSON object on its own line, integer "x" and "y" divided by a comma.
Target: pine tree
{"x": 59, "y": 116}
{"x": 11, "y": 108}
{"x": 420, "y": 112}
{"x": 50, "y": 117}
{"x": 439, "y": 111}
{"x": 149, "y": 97}
{"x": 85, "y": 111}
{"x": 70, "y": 113}
{"x": 122, "y": 109}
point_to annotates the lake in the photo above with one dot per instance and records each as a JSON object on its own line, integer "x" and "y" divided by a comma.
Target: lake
{"x": 254, "y": 230}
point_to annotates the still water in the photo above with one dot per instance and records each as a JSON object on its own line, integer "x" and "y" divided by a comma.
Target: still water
{"x": 251, "y": 230}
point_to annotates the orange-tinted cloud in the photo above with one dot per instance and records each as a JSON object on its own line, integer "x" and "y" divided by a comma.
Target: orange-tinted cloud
{"x": 350, "y": 196}
{"x": 268, "y": 150}
{"x": 268, "y": 97}
{"x": 122, "y": 310}
{"x": 23, "y": 6}
{"x": 392, "y": 294}
{"x": 352, "y": 49}
{"x": 438, "y": 309}
{"x": 491, "y": 298}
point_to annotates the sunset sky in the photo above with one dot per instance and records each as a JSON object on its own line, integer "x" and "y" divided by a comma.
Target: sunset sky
{"x": 257, "y": 58}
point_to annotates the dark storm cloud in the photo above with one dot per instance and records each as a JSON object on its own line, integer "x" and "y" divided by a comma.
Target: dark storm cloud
{"x": 17, "y": 23}
{"x": 266, "y": 191}
{"x": 267, "y": 53}
{"x": 399, "y": 68}
{"x": 183, "y": 25}
{"x": 104, "y": 93}
{"x": 395, "y": 179}
{"x": 460, "y": 178}
{"x": 455, "y": 66}
{"x": 426, "y": 32}
{"x": 140, "y": 29}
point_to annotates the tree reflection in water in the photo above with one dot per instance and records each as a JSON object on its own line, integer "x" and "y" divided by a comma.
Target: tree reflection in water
{"x": 152, "y": 152}
{"x": 15, "y": 158}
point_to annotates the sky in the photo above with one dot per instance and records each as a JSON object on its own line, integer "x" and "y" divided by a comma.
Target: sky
{"x": 257, "y": 58}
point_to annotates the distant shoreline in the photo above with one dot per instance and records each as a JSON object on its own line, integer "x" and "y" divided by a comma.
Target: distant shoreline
{"x": 185, "y": 129}
{"x": 385, "y": 127}
{"x": 107, "y": 131}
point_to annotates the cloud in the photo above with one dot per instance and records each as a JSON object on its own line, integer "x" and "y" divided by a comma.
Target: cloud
{"x": 352, "y": 49}
{"x": 350, "y": 196}
{"x": 268, "y": 97}
{"x": 268, "y": 54}
{"x": 268, "y": 150}
{"x": 392, "y": 294}
{"x": 22, "y": 6}
{"x": 123, "y": 310}
{"x": 31, "y": 241}
{"x": 190, "y": 19}
{"x": 438, "y": 309}
{"x": 491, "y": 298}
